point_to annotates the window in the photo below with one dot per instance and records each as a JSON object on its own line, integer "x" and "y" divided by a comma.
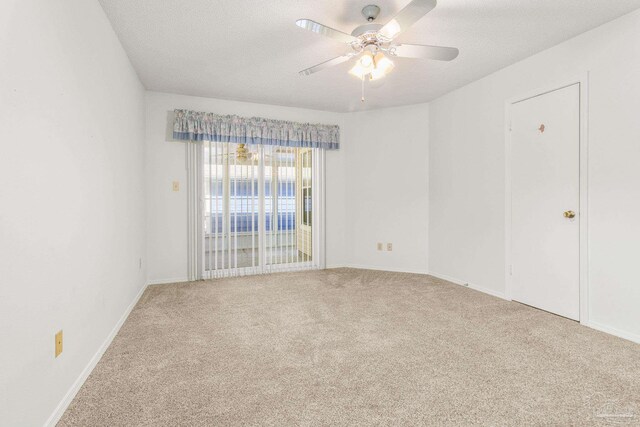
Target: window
{"x": 257, "y": 208}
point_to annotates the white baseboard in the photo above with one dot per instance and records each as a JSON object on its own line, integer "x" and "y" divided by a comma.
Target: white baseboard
{"x": 330, "y": 267}
{"x": 378, "y": 268}
{"x": 594, "y": 325}
{"x": 469, "y": 285}
{"x": 167, "y": 281}
{"x": 613, "y": 331}
{"x": 64, "y": 404}
{"x": 449, "y": 279}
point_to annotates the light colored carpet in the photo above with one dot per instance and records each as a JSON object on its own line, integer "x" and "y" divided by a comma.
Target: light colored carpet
{"x": 353, "y": 347}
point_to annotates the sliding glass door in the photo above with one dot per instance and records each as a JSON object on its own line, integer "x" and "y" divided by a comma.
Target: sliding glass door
{"x": 261, "y": 209}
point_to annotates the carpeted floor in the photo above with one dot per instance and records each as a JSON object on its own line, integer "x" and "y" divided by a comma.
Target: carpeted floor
{"x": 353, "y": 347}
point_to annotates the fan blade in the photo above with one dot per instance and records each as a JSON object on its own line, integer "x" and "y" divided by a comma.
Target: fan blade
{"x": 326, "y": 64}
{"x": 407, "y": 17}
{"x": 316, "y": 27}
{"x": 438, "y": 53}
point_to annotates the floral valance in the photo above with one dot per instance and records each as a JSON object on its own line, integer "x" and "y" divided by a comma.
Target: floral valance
{"x": 197, "y": 126}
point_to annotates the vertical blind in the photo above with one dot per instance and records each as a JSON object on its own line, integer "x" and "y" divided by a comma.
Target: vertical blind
{"x": 255, "y": 208}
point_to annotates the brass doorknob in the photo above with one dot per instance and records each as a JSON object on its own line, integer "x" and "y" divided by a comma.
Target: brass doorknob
{"x": 569, "y": 214}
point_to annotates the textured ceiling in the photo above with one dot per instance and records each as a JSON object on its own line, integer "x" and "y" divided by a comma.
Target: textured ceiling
{"x": 251, "y": 50}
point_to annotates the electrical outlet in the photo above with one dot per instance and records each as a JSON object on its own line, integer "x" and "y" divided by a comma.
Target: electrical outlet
{"x": 176, "y": 185}
{"x": 58, "y": 343}
{"x": 389, "y": 247}
{"x": 379, "y": 246}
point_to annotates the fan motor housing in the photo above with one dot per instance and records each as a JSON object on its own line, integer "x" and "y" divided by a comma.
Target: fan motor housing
{"x": 366, "y": 28}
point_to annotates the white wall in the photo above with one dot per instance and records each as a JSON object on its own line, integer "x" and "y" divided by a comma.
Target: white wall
{"x": 467, "y": 163}
{"x": 427, "y": 178}
{"x": 387, "y": 188}
{"x": 167, "y": 210}
{"x": 377, "y": 184}
{"x": 72, "y": 197}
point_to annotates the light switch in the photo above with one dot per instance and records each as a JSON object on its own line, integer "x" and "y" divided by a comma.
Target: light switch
{"x": 176, "y": 185}
{"x": 379, "y": 246}
{"x": 389, "y": 246}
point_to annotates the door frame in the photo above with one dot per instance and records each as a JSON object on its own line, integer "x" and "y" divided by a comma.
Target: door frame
{"x": 583, "y": 82}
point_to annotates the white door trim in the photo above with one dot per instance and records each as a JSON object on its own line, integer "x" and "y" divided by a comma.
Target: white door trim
{"x": 583, "y": 81}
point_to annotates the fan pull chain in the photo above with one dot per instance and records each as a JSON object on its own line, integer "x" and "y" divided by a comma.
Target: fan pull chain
{"x": 362, "y": 99}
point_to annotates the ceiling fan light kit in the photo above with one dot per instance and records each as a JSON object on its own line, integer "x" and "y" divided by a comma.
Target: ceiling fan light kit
{"x": 373, "y": 44}
{"x": 372, "y": 66}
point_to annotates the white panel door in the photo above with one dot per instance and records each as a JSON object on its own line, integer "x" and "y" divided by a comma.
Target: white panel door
{"x": 545, "y": 193}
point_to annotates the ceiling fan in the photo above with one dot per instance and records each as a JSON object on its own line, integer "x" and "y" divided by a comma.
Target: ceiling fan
{"x": 238, "y": 154}
{"x": 245, "y": 156}
{"x": 374, "y": 43}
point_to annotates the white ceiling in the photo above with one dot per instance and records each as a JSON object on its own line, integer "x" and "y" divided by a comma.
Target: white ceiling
{"x": 251, "y": 50}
